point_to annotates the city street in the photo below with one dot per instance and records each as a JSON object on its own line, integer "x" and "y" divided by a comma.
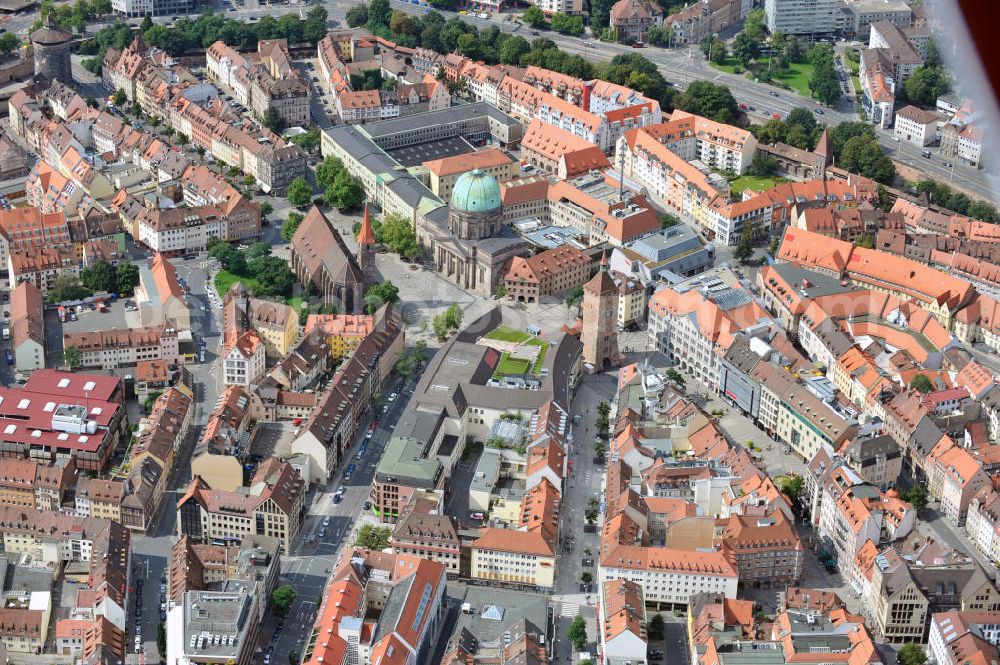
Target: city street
{"x": 326, "y": 529}
{"x": 585, "y": 482}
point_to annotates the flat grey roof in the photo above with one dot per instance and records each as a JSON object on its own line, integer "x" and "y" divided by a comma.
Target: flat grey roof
{"x": 450, "y": 115}
{"x": 819, "y": 284}
{"x": 514, "y": 604}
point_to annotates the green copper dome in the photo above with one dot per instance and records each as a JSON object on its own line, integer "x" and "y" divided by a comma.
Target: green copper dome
{"x": 476, "y": 191}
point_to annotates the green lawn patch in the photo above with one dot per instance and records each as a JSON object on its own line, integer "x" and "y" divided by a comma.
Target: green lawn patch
{"x": 295, "y": 303}
{"x": 729, "y": 66}
{"x": 796, "y": 76}
{"x": 756, "y": 183}
{"x": 856, "y": 82}
{"x": 225, "y": 280}
{"x": 508, "y": 334}
{"x": 542, "y": 350}
{"x": 510, "y": 367}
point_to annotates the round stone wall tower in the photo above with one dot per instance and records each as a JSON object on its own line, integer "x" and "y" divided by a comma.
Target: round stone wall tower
{"x": 51, "y": 46}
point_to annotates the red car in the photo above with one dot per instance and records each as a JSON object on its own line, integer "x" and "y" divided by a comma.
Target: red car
{"x": 776, "y": 116}
{"x": 743, "y": 106}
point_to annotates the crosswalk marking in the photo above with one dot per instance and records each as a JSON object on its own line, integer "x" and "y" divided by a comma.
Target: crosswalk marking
{"x": 570, "y": 610}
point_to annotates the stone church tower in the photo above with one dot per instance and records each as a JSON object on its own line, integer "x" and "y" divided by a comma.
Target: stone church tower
{"x": 600, "y": 320}
{"x": 366, "y": 250}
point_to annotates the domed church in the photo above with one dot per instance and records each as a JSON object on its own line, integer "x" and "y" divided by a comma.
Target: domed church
{"x": 474, "y": 250}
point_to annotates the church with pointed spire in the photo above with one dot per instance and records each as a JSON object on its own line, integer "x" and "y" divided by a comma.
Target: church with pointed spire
{"x": 599, "y": 332}
{"x": 366, "y": 250}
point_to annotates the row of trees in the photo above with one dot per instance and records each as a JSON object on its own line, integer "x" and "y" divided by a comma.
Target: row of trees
{"x": 799, "y": 129}
{"x": 268, "y": 275}
{"x": 434, "y": 32}
{"x": 341, "y": 189}
{"x": 410, "y": 360}
{"x": 562, "y": 23}
{"x": 942, "y": 195}
{"x": 102, "y": 276}
{"x": 73, "y": 15}
{"x": 189, "y": 34}
{"x": 824, "y": 83}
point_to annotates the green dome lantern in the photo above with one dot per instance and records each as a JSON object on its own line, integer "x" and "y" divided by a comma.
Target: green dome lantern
{"x": 476, "y": 191}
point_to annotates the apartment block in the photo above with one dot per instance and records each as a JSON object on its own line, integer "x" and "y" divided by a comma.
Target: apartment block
{"x": 270, "y": 506}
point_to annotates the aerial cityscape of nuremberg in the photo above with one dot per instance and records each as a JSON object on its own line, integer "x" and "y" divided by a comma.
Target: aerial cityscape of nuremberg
{"x": 498, "y": 332}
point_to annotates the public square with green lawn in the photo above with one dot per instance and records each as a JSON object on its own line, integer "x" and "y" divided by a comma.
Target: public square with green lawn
{"x": 756, "y": 183}
{"x": 796, "y": 76}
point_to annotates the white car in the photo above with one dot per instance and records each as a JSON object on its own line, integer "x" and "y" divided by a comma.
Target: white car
{"x": 392, "y": 397}
{"x": 326, "y": 521}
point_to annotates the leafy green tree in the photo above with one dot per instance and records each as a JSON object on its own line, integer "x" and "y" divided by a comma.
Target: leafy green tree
{"x": 161, "y": 631}
{"x": 842, "y": 133}
{"x": 660, "y": 35}
{"x": 373, "y": 537}
{"x": 599, "y": 447}
{"x": 714, "y": 49}
{"x": 257, "y": 250}
{"x": 587, "y": 577}
{"x": 676, "y": 377}
{"x": 327, "y": 170}
{"x": 397, "y": 232}
{"x": 575, "y": 296}
{"x": 863, "y": 155}
{"x": 126, "y": 278}
{"x": 380, "y": 294}
{"x": 273, "y": 276}
{"x": 72, "y": 356}
{"x": 379, "y": 14}
{"x": 916, "y": 496}
{"x": 512, "y": 50}
{"x": 9, "y": 43}
{"x": 534, "y": 17}
{"x": 771, "y": 132}
{"x": 577, "y": 633}
{"x": 921, "y": 384}
{"x": 119, "y": 98}
{"x": 293, "y": 657}
{"x": 667, "y": 220}
{"x": 99, "y": 276}
{"x": 753, "y": 25}
{"x": 762, "y": 165}
{"x": 300, "y": 193}
{"x": 926, "y": 84}
{"x": 67, "y": 287}
{"x": 308, "y": 141}
{"x": 745, "y": 48}
{"x": 314, "y": 27}
{"x": 410, "y": 359}
{"x": 911, "y": 654}
{"x": 282, "y": 599}
{"x": 345, "y": 193}
{"x": 357, "y": 15}
{"x": 600, "y": 10}
{"x": 291, "y": 225}
{"x": 712, "y": 101}
{"x": 792, "y": 486}
{"x": 274, "y": 121}
{"x": 825, "y": 84}
{"x": 567, "y": 25}
{"x": 655, "y": 627}
{"x": 744, "y": 250}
